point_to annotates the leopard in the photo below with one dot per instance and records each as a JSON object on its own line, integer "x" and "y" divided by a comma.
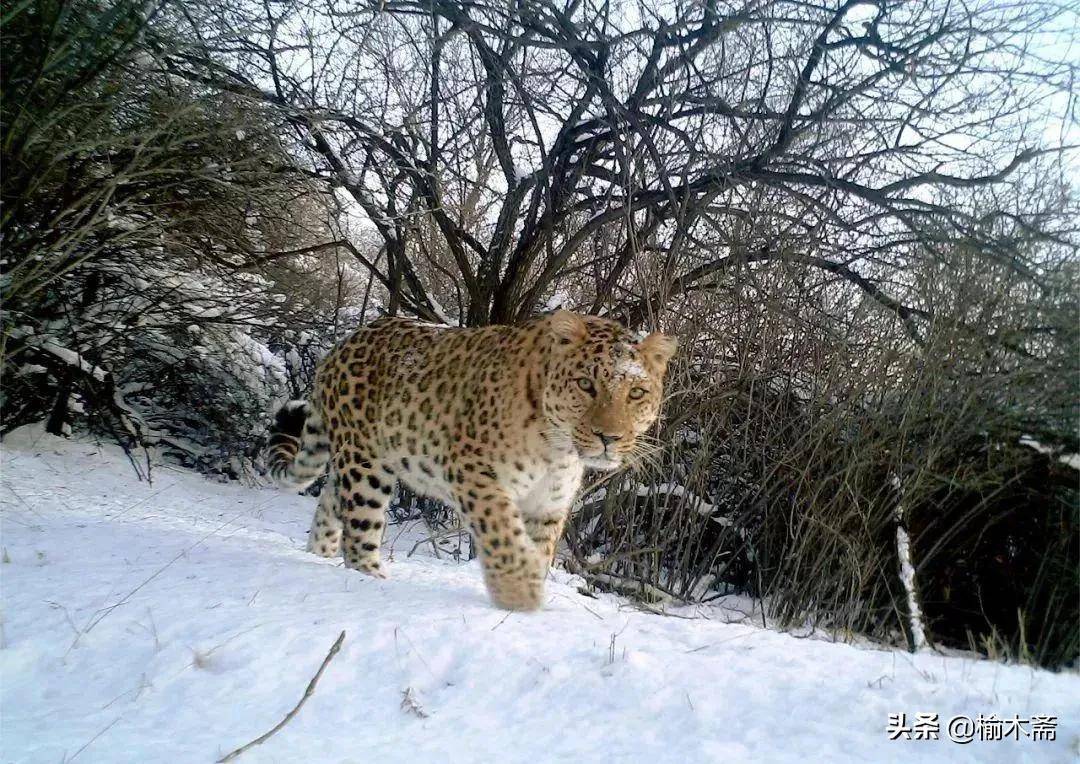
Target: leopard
{"x": 500, "y": 422}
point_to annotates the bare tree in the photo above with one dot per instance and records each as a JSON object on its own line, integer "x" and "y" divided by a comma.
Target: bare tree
{"x": 520, "y": 147}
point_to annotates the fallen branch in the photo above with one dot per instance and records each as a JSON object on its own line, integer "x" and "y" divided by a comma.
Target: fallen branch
{"x": 307, "y": 694}
{"x": 435, "y": 536}
{"x": 629, "y": 587}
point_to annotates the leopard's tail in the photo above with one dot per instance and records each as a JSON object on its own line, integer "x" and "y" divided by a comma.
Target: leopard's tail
{"x": 299, "y": 448}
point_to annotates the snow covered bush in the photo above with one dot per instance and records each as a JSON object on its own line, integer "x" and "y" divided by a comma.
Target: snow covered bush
{"x": 150, "y": 243}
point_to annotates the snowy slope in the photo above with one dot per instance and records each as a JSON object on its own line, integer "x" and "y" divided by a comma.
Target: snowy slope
{"x": 176, "y": 621}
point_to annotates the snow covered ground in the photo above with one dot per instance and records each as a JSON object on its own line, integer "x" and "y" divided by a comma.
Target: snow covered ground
{"x": 176, "y": 621}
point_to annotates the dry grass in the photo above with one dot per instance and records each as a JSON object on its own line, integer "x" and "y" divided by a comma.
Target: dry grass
{"x": 804, "y": 435}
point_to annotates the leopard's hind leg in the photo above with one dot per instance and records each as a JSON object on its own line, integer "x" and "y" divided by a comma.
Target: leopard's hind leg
{"x": 324, "y": 538}
{"x": 365, "y": 487}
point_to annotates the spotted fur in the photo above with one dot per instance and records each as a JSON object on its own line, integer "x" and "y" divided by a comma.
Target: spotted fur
{"x": 499, "y": 422}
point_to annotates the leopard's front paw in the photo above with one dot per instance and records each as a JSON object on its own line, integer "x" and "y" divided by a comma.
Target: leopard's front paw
{"x": 373, "y": 568}
{"x": 324, "y": 545}
{"x": 516, "y": 593}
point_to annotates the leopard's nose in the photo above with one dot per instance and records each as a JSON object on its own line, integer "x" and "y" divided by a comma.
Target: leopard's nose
{"x": 606, "y": 438}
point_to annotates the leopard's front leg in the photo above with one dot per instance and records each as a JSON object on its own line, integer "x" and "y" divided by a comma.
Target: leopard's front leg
{"x": 548, "y": 506}
{"x": 545, "y": 533}
{"x": 514, "y": 569}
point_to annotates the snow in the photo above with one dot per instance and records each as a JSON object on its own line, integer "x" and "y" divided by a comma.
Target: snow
{"x": 907, "y": 572}
{"x": 441, "y": 314}
{"x": 630, "y": 368}
{"x": 432, "y": 324}
{"x": 558, "y": 300}
{"x": 48, "y": 345}
{"x": 72, "y": 358}
{"x": 1069, "y": 460}
{"x": 177, "y": 620}
{"x": 695, "y": 502}
{"x": 907, "y": 578}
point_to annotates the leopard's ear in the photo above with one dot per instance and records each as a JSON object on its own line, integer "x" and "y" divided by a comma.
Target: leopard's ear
{"x": 658, "y": 349}
{"x": 568, "y": 327}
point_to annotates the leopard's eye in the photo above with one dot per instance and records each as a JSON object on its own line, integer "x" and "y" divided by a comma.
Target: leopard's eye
{"x": 637, "y": 393}
{"x": 586, "y": 384}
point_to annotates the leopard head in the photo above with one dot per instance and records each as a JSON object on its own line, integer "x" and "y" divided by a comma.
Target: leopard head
{"x": 604, "y": 385}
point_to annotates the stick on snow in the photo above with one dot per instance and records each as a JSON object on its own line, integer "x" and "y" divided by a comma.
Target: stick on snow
{"x": 307, "y": 694}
